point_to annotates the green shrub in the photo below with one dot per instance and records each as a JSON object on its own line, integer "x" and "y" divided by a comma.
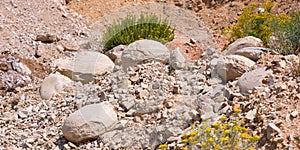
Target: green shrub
{"x": 132, "y": 29}
{"x": 287, "y": 35}
{"x": 222, "y": 135}
{"x": 263, "y": 24}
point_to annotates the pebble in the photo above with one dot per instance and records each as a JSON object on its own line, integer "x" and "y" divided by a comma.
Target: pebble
{"x": 294, "y": 114}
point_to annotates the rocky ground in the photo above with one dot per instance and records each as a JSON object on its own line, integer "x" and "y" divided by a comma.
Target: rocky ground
{"x": 45, "y": 101}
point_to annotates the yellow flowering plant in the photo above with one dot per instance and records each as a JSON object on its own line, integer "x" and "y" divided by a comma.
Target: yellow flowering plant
{"x": 258, "y": 20}
{"x": 132, "y": 29}
{"x": 225, "y": 134}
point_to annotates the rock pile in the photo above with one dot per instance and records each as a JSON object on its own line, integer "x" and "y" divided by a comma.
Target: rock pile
{"x": 155, "y": 101}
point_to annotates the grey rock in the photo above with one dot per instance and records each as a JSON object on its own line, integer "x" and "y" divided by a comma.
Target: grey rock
{"x": 250, "y": 80}
{"x": 143, "y": 50}
{"x": 232, "y": 66}
{"x": 248, "y": 41}
{"x": 90, "y": 122}
{"x": 253, "y": 53}
{"x": 85, "y": 66}
{"x": 53, "y": 84}
{"x": 177, "y": 59}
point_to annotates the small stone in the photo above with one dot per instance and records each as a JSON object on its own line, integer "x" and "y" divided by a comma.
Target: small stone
{"x": 60, "y": 48}
{"x": 72, "y": 145}
{"x": 21, "y": 68}
{"x": 22, "y": 113}
{"x": 177, "y": 59}
{"x": 30, "y": 140}
{"x": 127, "y": 104}
{"x": 278, "y": 140}
{"x": 176, "y": 89}
{"x": 294, "y": 114}
{"x": 232, "y": 66}
{"x": 143, "y": 94}
{"x": 193, "y": 41}
{"x": 70, "y": 46}
{"x": 251, "y": 114}
{"x": 272, "y": 126}
{"x": 282, "y": 64}
{"x": 123, "y": 122}
{"x": 134, "y": 78}
{"x": 116, "y": 53}
{"x": 144, "y": 86}
{"x": 67, "y": 147}
{"x": 47, "y": 38}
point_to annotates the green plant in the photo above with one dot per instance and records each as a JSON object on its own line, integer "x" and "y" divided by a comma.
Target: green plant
{"x": 254, "y": 23}
{"x": 132, "y": 29}
{"x": 287, "y": 35}
{"x": 259, "y": 21}
{"x": 222, "y": 135}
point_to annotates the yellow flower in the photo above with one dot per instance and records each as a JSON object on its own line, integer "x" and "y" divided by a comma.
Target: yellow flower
{"x": 203, "y": 144}
{"x": 190, "y": 138}
{"x": 194, "y": 133}
{"x": 251, "y": 148}
{"x": 194, "y": 142}
{"x": 245, "y": 136}
{"x": 223, "y": 139}
{"x": 184, "y": 141}
{"x": 226, "y": 132}
{"x": 208, "y": 130}
{"x": 183, "y": 136}
{"x": 254, "y": 138}
{"x": 217, "y": 147}
{"x": 162, "y": 146}
{"x": 184, "y": 148}
{"x": 244, "y": 129}
{"x": 223, "y": 118}
{"x": 236, "y": 128}
{"x": 216, "y": 131}
{"x": 216, "y": 125}
{"x": 210, "y": 140}
{"x": 192, "y": 125}
{"x": 225, "y": 125}
{"x": 236, "y": 147}
{"x": 222, "y": 127}
{"x": 229, "y": 146}
{"x": 236, "y": 110}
